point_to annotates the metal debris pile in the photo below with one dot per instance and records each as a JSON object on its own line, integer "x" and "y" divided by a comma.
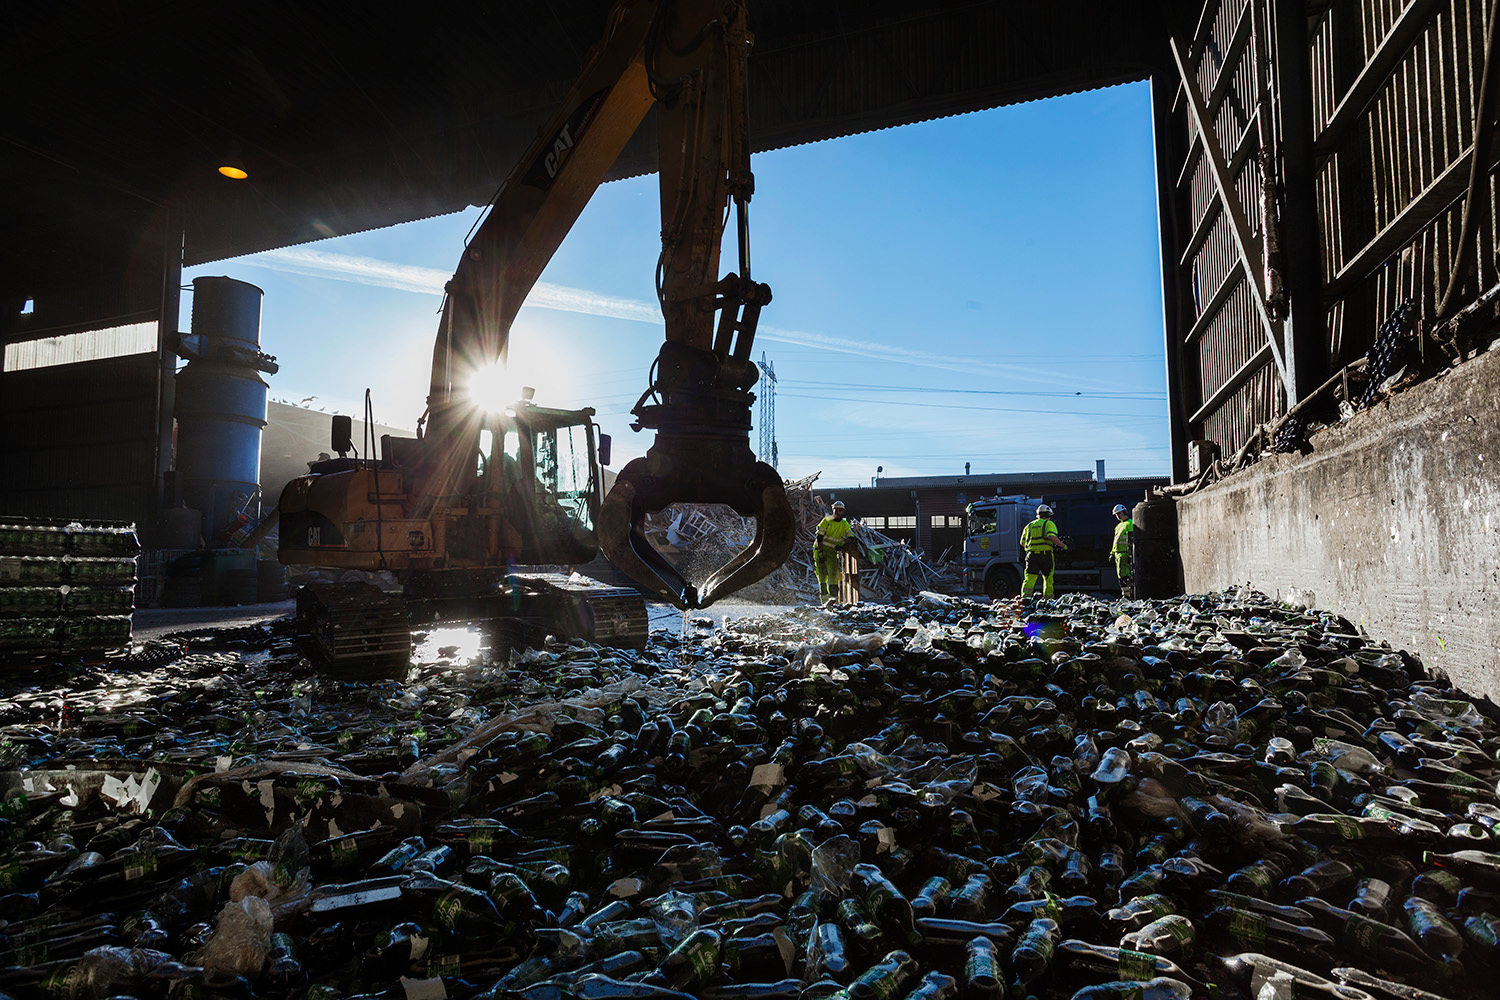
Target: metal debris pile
{"x": 1218, "y": 794}
{"x": 700, "y": 539}
{"x": 1393, "y": 364}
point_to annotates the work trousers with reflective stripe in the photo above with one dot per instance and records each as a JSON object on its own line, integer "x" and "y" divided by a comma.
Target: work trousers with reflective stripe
{"x": 826, "y": 566}
{"x": 1124, "y": 571}
{"x": 1039, "y": 566}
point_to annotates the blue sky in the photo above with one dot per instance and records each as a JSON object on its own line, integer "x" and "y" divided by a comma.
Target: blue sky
{"x": 981, "y": 289}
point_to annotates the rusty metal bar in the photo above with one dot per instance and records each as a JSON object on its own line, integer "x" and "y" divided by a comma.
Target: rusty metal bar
{"x": 1246, "y": 371}
{"x": 1377, "y": 71}
{"x": 1435, "y": 199}
{"x": 1239, "y": 228}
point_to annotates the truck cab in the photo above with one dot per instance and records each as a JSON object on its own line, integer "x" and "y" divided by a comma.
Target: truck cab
{"x": 995, "y": 565}
{"x": 993, "y": 561}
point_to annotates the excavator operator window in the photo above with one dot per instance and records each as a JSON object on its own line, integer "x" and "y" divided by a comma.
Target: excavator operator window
{"x": 486, "y": 445}
{"x": 564, "y": 474}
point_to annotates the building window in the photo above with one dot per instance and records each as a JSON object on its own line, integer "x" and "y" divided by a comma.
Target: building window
{"x": 901, "y": 522}
{"x": 86, "y": 345}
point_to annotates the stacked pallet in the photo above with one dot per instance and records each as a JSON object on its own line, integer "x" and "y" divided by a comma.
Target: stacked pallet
{"x": 67, "y": 588}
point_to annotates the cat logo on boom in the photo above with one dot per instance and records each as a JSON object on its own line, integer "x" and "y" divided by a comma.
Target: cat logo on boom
{"x": 560, "y": 146}
{"x": 547, "y": 165}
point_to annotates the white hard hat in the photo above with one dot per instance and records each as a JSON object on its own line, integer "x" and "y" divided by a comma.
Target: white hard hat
{"x": 1120, "y": 509}
{"x": 838, "y": 505}
{"x": 1043, "y": 510}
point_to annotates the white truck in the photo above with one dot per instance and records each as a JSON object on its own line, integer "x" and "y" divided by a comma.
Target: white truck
{"x": 995, "y": 565}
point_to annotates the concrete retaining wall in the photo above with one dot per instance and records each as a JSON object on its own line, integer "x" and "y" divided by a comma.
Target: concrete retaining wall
{"x": 1393, "y": 522}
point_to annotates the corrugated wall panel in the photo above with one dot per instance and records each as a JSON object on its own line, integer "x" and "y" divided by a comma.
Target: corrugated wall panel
{"x": 80, "y": 440}
{"x": 1391, "y": 100}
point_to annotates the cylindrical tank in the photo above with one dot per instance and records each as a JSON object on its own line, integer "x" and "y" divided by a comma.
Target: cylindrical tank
{"x": 1158, "y": 564}
{"x": 221, "y": 403}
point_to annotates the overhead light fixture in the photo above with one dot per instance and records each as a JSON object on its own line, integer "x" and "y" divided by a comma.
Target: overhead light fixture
{"x": 233, "y": 165}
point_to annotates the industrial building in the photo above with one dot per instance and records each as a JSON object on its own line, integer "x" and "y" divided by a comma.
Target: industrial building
{"x": 931, "y": 511}
{"x": 1267, "y": 764}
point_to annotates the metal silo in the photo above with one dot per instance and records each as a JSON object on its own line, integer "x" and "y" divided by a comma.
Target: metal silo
{"x": 221, "y": 402}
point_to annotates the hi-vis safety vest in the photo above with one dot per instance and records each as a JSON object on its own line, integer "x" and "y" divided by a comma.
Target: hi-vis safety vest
{"x": 1034, "y": 536}
{"x": 1122, "y": 537}
{"x": 832, "y": 531}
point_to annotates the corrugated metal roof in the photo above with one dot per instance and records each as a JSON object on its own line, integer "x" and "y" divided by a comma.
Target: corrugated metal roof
{"x": 355, "y": 117}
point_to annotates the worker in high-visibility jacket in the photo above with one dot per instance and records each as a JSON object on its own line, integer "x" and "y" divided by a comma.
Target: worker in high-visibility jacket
{"x": 1121, "y": 551}
{"x": 1040, "y": 542}
{"x": 832, "y": 536}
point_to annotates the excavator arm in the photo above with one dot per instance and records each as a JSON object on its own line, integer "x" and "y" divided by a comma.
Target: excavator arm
{"x": 687, "y": 58}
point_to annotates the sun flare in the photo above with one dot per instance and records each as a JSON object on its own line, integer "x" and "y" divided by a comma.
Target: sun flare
{"x": 530, "y": 363}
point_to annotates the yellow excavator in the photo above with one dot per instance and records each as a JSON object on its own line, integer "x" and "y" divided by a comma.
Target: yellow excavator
{"x": 454, "y": 513}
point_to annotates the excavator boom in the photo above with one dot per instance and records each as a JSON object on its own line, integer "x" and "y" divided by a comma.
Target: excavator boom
{"x": 453, "y": 512}
{"x": 686, "y": 58}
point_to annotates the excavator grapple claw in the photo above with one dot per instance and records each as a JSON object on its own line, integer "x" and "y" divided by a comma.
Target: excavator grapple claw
{"x": 685, "y": 472}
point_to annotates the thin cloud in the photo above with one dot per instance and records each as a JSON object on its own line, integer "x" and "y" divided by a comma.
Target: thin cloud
{"x": 544, "y": 295}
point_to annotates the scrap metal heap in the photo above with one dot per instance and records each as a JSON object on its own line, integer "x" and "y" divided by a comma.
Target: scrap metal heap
{"x": 1089, "y": 799}
{"x": 699, "y": 539}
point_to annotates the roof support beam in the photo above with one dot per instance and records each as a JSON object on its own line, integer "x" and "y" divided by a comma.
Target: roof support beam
{"x": 1306, "y": 353}
{"x": 1239, "y": 228}
{"x": 1167, "y": 142}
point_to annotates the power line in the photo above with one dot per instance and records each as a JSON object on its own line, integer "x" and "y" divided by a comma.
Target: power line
{"x": 811, "y": 384}
{"x": 962, "y": 406}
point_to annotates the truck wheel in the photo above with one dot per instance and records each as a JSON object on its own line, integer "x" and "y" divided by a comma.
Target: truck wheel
{"x": 1002, "y": 582}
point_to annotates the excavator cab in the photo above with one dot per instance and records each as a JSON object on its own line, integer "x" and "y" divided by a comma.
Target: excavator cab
{"x": 543, "y": 465}
{"x": 527, "y": 492}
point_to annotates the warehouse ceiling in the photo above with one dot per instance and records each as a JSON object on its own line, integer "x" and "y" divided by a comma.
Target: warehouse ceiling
{"x": 350, "y": 116}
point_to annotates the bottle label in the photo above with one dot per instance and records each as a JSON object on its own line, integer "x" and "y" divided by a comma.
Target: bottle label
{"x": 424, "y": 989}
{"x": 1363, "y": 933}
{"x": 145, "y": 864}
{"x": 64, "y": 984}
{"x": 1446, "y": 881}
{"x": 1348, "y": 827}
{"x": 444, "y": 965}
{"x": 1248, "y": 928}
{"x": 767, "y": 777}
{"x": 704, "y": 960}
{"x": 448, "y": 908}
{"x": 342, "y": 852}
{"x": 1135, "y": 966}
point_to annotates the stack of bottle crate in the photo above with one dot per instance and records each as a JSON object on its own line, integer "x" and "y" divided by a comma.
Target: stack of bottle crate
{"x": 67, "y": 588}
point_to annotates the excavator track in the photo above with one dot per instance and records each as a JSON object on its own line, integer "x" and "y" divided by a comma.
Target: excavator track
{"x": 355, "y": 630}
{"x": 578, "y": 607}
{"x": 358, "y": 631}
